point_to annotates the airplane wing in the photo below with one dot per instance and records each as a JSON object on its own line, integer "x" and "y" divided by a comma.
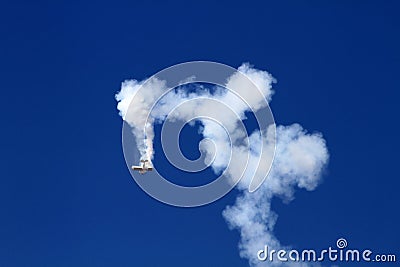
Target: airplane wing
{"x": 137, "y": 168}
{"x": 143, "y": 168}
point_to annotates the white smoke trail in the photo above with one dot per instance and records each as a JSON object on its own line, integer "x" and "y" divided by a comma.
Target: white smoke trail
{"x": 299, "y": 161}
{"x": 137, "y": 116}
{"x": 151, "y": 90}
{"x": 299, "y": 157}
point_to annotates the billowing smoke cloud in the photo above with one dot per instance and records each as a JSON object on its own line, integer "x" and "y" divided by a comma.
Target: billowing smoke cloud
{"x": 299, "y": 159}
{"x": 142, "y": 126}
{"x": 152, "y": 90}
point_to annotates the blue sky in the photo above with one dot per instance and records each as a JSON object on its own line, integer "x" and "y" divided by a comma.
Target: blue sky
{"x": 66, "y": 196}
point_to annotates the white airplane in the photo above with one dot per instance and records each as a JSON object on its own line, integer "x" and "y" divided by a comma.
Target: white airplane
{"x": 143, "y": 168}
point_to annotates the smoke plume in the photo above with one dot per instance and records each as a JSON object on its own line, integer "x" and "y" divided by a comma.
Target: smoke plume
{"x": 299, "y": 159}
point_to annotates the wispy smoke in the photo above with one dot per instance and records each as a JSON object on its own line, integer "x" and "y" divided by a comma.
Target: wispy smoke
{"x": 299, "y": 159}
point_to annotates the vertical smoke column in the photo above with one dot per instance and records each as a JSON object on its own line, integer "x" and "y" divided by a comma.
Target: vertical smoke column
{"x": 137, "y": 115}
